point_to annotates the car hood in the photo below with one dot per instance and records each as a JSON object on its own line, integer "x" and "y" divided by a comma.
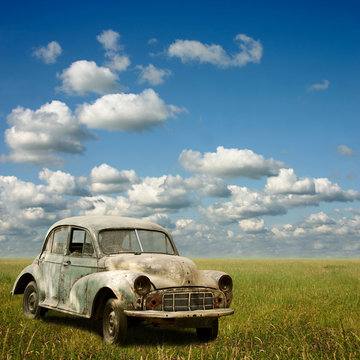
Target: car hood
{"x": 163, "y": 270}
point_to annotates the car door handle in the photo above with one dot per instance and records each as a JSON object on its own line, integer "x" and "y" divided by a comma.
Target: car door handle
{"x": 67, "y": 263}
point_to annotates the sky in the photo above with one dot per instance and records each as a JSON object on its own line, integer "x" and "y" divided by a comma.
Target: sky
{"x": 233, "y": 124}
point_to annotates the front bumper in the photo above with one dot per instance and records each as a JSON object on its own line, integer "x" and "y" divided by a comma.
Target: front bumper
{"x": 154, "y": 314}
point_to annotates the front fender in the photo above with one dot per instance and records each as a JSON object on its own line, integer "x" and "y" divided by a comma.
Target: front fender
{"x": 210, "y": 278}
{"x": 30, "y": 273}
{"x": 119, "y": 282}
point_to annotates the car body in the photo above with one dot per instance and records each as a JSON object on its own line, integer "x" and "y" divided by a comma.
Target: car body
{"x": 117, "y": 269}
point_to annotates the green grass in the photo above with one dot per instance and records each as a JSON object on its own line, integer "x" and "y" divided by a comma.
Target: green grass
{"x": 284, "y": 309}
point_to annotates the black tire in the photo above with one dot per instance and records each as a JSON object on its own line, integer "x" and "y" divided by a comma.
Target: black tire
{"x": 31, "y": 308}
{"x": 210, "y": 333}
{"x": 114, "y": 322}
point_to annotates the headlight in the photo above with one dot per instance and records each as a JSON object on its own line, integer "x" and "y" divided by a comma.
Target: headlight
{"x": 225, "y": 283}
{"x": 142, "y": 285}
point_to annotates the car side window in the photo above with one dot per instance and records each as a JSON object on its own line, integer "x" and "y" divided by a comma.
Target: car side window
{"x": 49, "y": 241}
{"x": 59, "y": 241}
{"x": 80, "y": 243}
{"x": 88, "y": 248}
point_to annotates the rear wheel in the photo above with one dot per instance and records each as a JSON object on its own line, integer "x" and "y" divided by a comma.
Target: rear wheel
{"x": 114, "y": 322}
{"x": 31, "y": 308}
{"x": 210, "y": 333}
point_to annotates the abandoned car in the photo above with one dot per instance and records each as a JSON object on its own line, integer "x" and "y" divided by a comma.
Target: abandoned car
{"x": 117, "y": 269}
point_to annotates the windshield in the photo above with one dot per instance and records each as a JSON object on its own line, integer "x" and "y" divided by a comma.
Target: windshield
{"x": 118, "y": 241}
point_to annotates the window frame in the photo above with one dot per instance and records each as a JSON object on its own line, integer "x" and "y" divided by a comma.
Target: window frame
{"x": 86, "y": 235}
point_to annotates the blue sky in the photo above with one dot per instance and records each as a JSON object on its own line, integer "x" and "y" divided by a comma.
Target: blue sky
{"x": 233, "y": 124}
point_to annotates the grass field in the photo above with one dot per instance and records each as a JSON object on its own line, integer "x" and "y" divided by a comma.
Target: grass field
{"x": 284, "y": 309}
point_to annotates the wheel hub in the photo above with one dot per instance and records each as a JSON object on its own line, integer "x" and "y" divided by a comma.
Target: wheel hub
{"x": 32, "y": 301}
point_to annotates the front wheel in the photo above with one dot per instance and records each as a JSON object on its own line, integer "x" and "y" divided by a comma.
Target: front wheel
{"x": 114, "y": 322}
{"x": 210, "y": 333}
{"x": 31, "y": 308}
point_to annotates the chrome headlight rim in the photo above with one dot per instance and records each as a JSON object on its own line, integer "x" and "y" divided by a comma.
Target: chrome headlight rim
{"x": 142, "y": 285}
{"x": 225, "y": 283}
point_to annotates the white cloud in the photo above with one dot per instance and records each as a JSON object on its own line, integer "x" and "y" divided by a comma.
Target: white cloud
{"x": 166, "y": 193}
{"x": 252, "y": 225}
{"x": 63, "y": 183}
{"x": 230, "y": 163}
{"x": 208, "y": 186}
{"x": 153, "y": 75}
{"x": 249, "y": 203}
{"x": 85, "y": 76}
{"x": 127, "y": 112}
{"x": 161, "y": 219}
{"x": 48, "y": 54}
{"x": 152, "y": 41}
{"x": 106, "y": 205}
{"x": 118, "y": 62}
{"x": 345, "y": 151}
{"x": 287, "y": 183}
{"x": 319, "y": 218}
{"x": 322, "y": 86}
{"x": 25, "y": 209}
{"x": 192, "y": 50}
{"x": 110, "y": 41}
{"x": 251, "y": 51}
{"x": 106, "y": 179}
{"x": 244, "y": 204}
{"x": 37, "y": 136}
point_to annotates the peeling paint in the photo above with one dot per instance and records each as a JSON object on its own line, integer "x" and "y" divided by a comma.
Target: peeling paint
{"x": 144, "y": 283}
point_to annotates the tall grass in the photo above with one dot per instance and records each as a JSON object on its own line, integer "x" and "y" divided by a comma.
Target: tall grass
{"x": 284, "y": 309}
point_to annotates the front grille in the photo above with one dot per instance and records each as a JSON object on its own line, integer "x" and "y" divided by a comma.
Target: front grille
{"x": 188, "y": 301}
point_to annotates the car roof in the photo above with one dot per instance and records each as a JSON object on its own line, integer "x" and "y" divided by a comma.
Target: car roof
{"x": 98, "y": 223}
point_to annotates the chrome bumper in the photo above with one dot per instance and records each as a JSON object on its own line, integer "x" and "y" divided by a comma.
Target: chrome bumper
{"x": 213, "y": 313}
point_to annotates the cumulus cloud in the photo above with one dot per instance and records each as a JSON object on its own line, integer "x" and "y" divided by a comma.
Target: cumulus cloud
{"x": 244, "y": 204}
{"x": 192, "y": 50}
{"x": 37, "y": 136}
{"x": 321, "y": 86}
{"x": 230, "y": 163}
{"x": 323, "y": 231}
{"x": 22, "y": 195}
{"x": 110, "y": 41}
{"x": 127, "y": 112}
{"x": 152, "y": 75}
{"x": 319, "y": 218}
{"x": 108, "y": 180}
{"x": 208, "y": 186}
{"x": 49, "y": 53}
{"x": 152, "y": 41}
{"x": 287, "y": 183}
{"x": 63, "y": 183}
{"x": 85, "y": 76}
{"x": 118, "y": 62}
{"x": 252, "y": 225}
{"x": 163, "y": 193}
{"x": 345, "y": 151}
{"x": 161, "y": 219}
{"x": 250, "y": 203}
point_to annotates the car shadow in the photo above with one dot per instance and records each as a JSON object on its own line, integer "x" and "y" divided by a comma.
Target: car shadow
{"x": 138, "y": 333}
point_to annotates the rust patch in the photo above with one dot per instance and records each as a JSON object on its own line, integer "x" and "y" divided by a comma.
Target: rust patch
{"x": 153, "y": 301}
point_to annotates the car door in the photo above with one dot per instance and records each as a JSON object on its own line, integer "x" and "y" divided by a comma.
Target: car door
{"x": 50, "y": 263}
{"x": 79, "y": 261}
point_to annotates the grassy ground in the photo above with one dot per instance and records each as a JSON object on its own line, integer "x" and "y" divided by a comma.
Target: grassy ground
{"x": 284, "y": 309}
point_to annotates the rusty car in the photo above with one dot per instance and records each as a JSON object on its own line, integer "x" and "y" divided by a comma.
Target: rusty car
{"x": 119, "y": 269}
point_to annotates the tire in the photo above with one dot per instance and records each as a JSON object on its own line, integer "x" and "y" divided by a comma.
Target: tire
{"x": 31, "y": 308}
{"x": 208, "y": 334}
{"x": 114, "y": 322}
